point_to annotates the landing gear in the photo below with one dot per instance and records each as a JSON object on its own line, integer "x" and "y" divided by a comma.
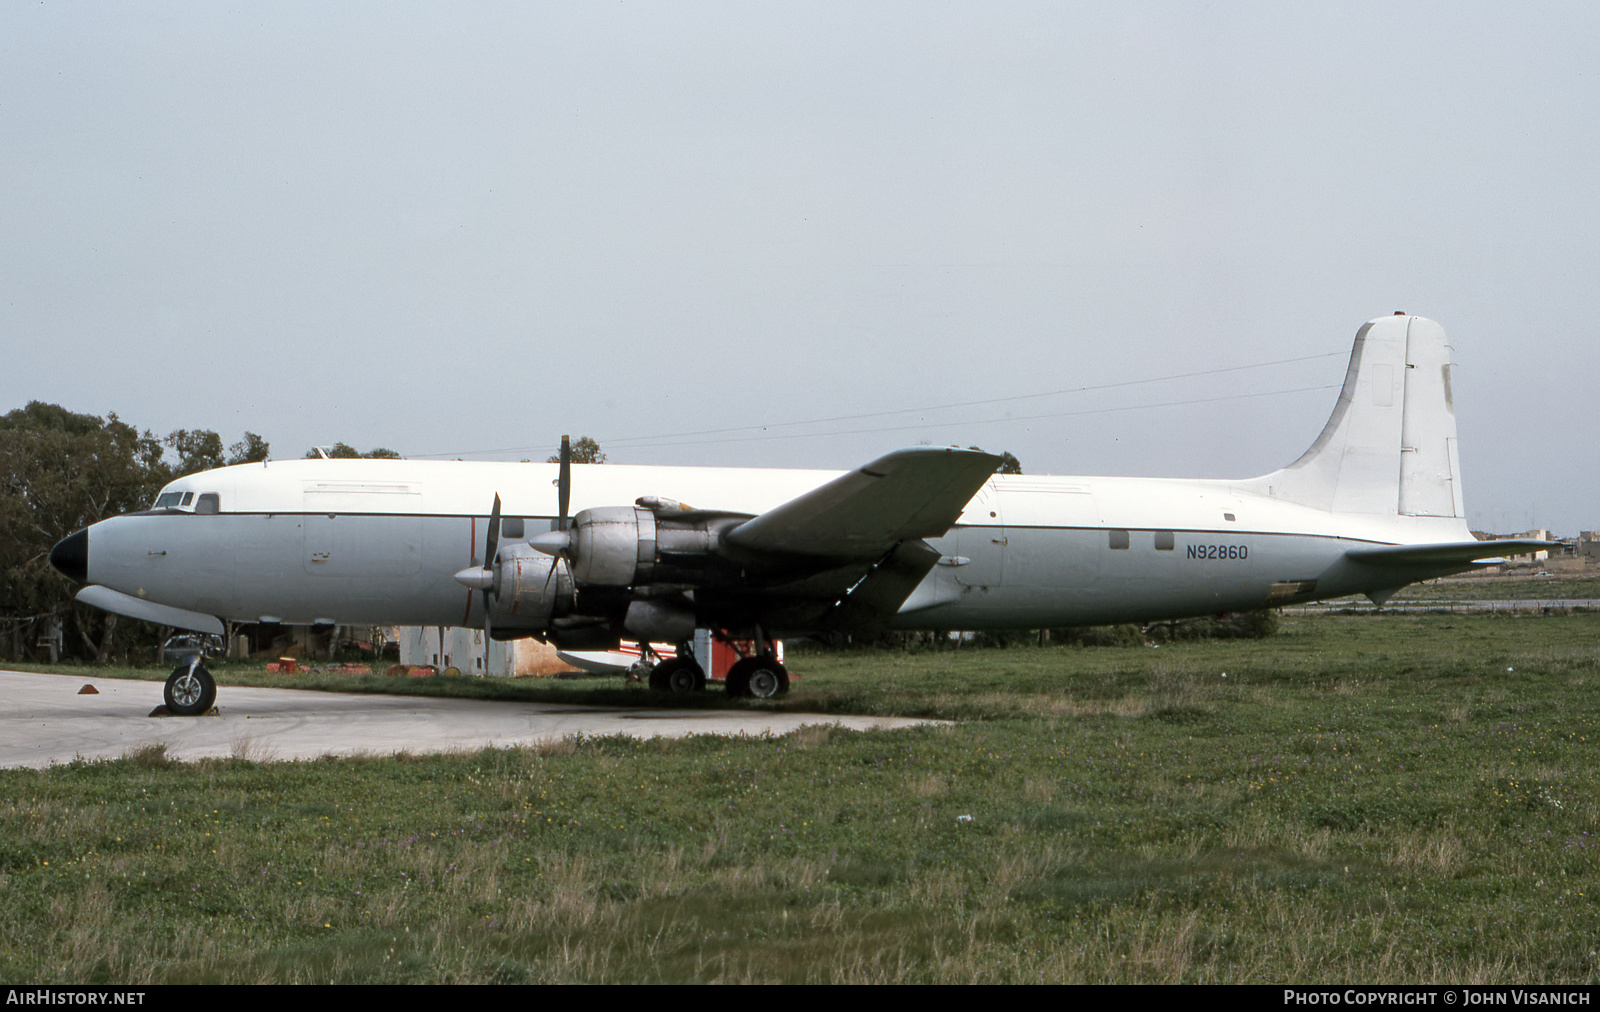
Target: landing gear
{"x": 190, "y": 690}
{"x": 758, "y": 678}
{"x": 680, "y": 674}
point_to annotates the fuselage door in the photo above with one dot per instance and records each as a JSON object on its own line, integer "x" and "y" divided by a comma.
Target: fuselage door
{"x": 362, "y": 530}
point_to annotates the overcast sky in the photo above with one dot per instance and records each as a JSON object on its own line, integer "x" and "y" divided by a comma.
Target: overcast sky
{"x": 466, "y": 227}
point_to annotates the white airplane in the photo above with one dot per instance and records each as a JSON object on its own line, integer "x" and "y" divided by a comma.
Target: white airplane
{"x": 921, "y": 538}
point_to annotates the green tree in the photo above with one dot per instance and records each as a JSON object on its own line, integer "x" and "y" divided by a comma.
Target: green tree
{"x": 61, "y": 471}
{"x": 1009, "y": 464}
{"x": 201, "y": 450}
{"x": 344, "y": 451}
{"x": 252, "y": 449}
{"x": 197, "y": 449}
{"x": 584, "y": 451}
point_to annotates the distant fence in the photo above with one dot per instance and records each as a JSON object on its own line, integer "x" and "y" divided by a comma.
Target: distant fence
{"x": 1503, "y": 604}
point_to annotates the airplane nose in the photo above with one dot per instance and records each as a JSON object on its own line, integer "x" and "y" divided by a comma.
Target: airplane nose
{"x": 70, "y": 557}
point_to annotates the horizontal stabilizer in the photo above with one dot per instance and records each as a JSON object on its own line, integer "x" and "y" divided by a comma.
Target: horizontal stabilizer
{"x": 129, "y": 606}
{"x": 1446, "y": 554}
{"x": 912, "y": 493}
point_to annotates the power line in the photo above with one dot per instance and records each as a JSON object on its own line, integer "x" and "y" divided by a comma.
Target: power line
{"x": 659, "y": 439}
{"x": 615, "y": 440}
{"x": 985, "y": 421}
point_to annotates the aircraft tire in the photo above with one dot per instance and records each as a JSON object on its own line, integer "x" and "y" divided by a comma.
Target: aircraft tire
{"x": 190, "y": 691}
{"x": 758, "y": 678}
{"x": 677, "y": 675}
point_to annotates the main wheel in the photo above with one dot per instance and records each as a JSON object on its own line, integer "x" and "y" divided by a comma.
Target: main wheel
{"x": 190, "y": 691}
{"x": 758, "y": 678}
{"x": 680, "y": 674}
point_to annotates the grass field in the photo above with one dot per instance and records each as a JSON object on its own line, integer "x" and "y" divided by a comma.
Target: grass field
{"x": 1504, "y": 587}
{"x": 1396, "y": 798}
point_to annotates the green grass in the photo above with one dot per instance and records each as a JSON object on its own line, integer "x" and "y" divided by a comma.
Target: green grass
{"x": 1502, "y": 587}
{"x": 1367, "y": 798}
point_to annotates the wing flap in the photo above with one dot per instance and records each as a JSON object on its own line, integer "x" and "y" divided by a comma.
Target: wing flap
{"x": 878, "y": 597}
{"x": 911, "y": 493}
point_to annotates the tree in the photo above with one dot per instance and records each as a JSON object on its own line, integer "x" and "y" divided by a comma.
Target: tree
{"x": 61, "y": 471}
{"x": 584, "y": 451}
{"x": 197, "y": 449}
{"x": 201, "y": 450}
{"x": 1009, "y": 464}
{"x": 252, "y": 449}
{"x": 344, "y": 451}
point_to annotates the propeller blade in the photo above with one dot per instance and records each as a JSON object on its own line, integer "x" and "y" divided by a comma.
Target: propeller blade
{"x": 564, "y": 484}
{"x": 492, "y": 544}
{"x": 490, "y": 549}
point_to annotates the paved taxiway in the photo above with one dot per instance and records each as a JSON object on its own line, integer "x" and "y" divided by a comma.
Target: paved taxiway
{"x": 44, "y": 720}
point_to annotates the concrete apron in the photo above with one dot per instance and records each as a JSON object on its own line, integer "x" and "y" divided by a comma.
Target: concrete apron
{"x": 44, "y": 720}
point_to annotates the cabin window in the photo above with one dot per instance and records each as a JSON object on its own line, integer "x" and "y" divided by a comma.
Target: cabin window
{"x": 208, "y": 503}
{"x": 1119, "y": 540}
{"x": 511, "y": 527}
{"x": 1228, "y": 516}
{"x": 167, "y": 500}
{"x": 1164, "y": 541}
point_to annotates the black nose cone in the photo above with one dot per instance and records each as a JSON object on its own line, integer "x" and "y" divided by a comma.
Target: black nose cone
{"x": 70, "y": 556}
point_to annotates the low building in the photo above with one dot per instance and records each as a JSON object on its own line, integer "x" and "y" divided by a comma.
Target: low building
{"x": 466, "y": 650}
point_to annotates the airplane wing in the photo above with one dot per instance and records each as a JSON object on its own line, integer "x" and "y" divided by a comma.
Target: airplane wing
{"x": 1446, "y": 554}
{"x": 912, "y": 493}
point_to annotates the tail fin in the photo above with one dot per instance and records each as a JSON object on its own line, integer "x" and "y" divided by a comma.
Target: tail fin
{"x": 1390, "y": 447}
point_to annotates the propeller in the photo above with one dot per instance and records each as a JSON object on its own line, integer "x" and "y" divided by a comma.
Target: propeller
{"x": 481, "y": 577}
{"x": 559, "y": 540}
{"x": 491, "y": 549}
{"x": 564, "y": 484}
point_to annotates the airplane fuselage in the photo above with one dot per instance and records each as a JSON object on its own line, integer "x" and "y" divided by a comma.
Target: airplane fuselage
{"x": 367, "y": 542}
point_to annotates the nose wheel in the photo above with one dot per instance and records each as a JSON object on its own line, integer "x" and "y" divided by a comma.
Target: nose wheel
{"x": 190, "y": 691}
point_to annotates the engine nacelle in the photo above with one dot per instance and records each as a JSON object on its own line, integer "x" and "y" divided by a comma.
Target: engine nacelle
{"x": 624, "y": 546}
{"x": 531, "y": 588}
{"x": 659, "y": 621}
{"x": 611, "y": 544}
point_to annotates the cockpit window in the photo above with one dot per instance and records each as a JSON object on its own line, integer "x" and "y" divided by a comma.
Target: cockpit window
{"x": 209, "y": 502}
{"x": 188, "y": 497}
{"x": 166, "y": 499}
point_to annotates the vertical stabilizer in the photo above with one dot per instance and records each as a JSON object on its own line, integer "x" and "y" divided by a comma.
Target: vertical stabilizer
{"x": 1430, "y": 471}
{"x": 1390, "y": 447}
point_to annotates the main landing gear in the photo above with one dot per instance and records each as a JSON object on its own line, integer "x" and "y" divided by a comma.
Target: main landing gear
{"x": 190, "y": 690}
{"x": 758, "y": 678}
{"x": 678, "y": 674}
{"x": 761, "y": 676}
